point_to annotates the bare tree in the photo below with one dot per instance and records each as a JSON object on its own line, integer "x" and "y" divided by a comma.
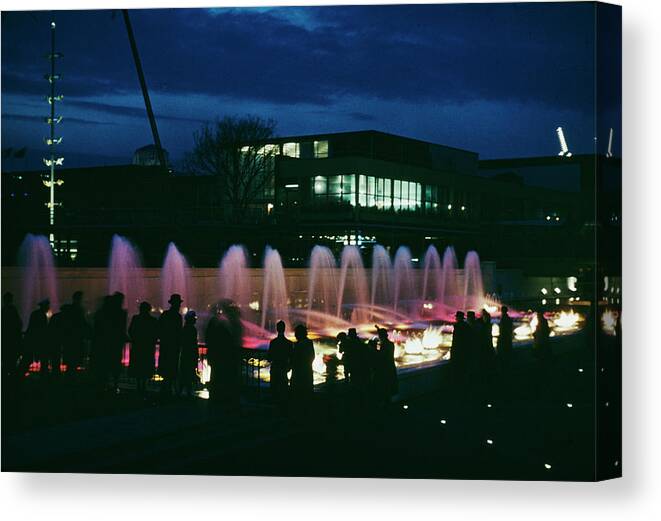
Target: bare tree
{"x": 236, "y": 151}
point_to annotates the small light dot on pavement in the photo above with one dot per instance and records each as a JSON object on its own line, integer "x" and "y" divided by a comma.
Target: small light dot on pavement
{"x": 490, "y": 442}
{"x": 443, "y": 422}
{"x": 547, "y": 466}
{"x": 580, "y": 370}
{"x": 570, "y": 405}
{"x": 405, "y": 407}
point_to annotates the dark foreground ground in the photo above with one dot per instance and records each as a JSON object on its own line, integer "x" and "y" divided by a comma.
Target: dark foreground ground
{"x": 529, "y": 424}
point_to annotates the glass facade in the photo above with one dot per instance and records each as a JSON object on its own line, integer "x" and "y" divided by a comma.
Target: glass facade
{"x": 373, "y": 192}
{"x": 335, "y": 188}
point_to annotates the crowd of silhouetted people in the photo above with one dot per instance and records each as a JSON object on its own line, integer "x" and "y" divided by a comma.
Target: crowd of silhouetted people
{"x": 473, "y": 354}
{"x": 60, "y": 345}
{"x": 369, "y": 367}
{"x": 63, "y": 343}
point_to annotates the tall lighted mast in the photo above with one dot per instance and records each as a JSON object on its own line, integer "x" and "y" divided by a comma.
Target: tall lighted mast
{"x": 52, "y": 141}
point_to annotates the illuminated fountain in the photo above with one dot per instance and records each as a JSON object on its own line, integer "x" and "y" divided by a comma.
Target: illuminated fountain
{"x": 449, "y": 274}
{"x": 233, "y": 279}
{"x": 432, "y": 277}
{"x": 382, "y": 284}
{"x": 35, "y": 257}
{"x": 322, "y": 283}
{"x": 404, "y": 290}
{"x": 125, "y": 273}
{"x": 275, "y": 301}
{"x": 176, "y": 278}
{"x": 353, "y": 289}
{"x": 473, "y": 286}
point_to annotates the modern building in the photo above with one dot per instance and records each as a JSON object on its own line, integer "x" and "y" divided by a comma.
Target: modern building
{"x": 334, "y": 189}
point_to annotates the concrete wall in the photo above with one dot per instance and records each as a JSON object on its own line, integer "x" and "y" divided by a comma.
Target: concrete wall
{"x": 205, "y": 284}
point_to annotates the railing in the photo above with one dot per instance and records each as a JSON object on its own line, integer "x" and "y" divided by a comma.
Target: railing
{"x": 252, "y": 363}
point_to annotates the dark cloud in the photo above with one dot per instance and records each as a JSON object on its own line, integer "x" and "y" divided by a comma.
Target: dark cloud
{"x": 40, "y": 119}
{"x": 291, "y": 59}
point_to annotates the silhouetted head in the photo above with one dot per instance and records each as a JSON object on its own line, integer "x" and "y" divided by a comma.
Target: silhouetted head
{"x": 190, "y": 317}
{"x": 382, "y": 333}
{"x": 459, "y": 316}
{"x": 341, "y": 336}
{"x": 300, "y": 332}
{"x": 145, "y": 308}
{"x": 77, "y": 297}
{"x": 470, "y": 316}
{"x": 486, "y": 316}
{"x": 280, "y": 327}
{"x": 118, "y": 299}
{"x": 352, "y": 332}
{"x": 44, "y": 305}
{"x": 175, "y": 301}
{"x": 504, "y": 310}
{"x": 8, "y": 298}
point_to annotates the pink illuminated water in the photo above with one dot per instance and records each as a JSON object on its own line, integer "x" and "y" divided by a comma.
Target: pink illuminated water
{"x": 35, "y": 257}
{"x": 275, "y": 301}
{"x": 176, "y": 278}
{"x": 432, "y": 280}
{"x": 125, "y": 273}
{"x": 449, "y": 287}
{"x": 353, "y": 290}
{"x": 473, "y": 286}
{"x": 322, "y": 282}
{"x": 382, "y": 275}
{"x": 234, "y": 281}
{"x": 404, "y": 290}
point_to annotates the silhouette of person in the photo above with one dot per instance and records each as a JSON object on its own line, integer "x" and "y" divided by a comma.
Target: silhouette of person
{"x": 118, "y": 337}
{"x": 169, "y": 333}
{"x": 280, "y": 357}
{"x": 385, "y": 371}
{"x": 541, "y": 342}
{"x": 474, "y": 342}
{"x": 143, "y": 333}
{"x": 189, "y": 354}
{"x": 460, "y": 347}
{"x": 56, "y": 337}
{"x": 12, "y": 333}
{"x": 76, "y": 333}
{"x": 302, "y": 378}
{"x": 36, "y": 336}
{"x": 100, "y": 353}
{"x": 487, "y": 353}
{"x": 342, "y": 347}
{"x": 224, "y": 339}
{"x": 504, "y": 343}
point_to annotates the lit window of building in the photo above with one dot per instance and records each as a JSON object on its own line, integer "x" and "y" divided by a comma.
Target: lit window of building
{"x": 320, "y": 149}
{"x": 291, "y": 149}
{"x": 335, "y": 188}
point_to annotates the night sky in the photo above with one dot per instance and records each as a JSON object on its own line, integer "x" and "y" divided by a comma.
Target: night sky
{"x": 495, "y": 79}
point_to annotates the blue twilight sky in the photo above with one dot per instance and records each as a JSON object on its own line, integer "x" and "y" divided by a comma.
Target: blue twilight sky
{"x": 493, "y": 78}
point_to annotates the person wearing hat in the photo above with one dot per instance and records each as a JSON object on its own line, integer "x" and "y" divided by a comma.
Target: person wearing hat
{"x": 169, "y": 334}
{"x": 143, "y": 333}
{"x": 189, "y": 354}
{"x": 36, "y": 336}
